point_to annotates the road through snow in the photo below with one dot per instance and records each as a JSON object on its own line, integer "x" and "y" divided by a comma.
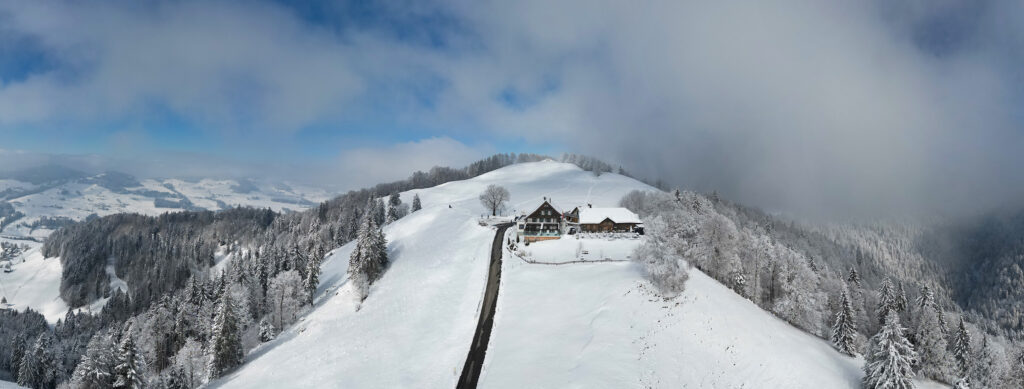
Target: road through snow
{"x": 478, "y": 349}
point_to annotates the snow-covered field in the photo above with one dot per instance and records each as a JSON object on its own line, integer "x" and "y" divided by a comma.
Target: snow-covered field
{"x": 35, "y": 283}
{"x": 571, "y": 248}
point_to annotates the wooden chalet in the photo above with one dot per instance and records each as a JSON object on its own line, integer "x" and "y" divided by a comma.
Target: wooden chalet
{"x": 609, "y": 220}
{"x": 542, "y": 224}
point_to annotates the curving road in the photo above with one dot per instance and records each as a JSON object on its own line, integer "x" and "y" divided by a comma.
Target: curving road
{"x": 477, "y": 351}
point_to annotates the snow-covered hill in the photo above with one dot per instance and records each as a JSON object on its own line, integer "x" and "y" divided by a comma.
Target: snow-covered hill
{"x": 34, "y": 205}
{"x": 575, "y": 325}
{"x": 38, "y": 207}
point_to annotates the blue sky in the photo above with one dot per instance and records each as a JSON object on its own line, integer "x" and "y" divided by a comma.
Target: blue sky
{"x": 868, "y": 105}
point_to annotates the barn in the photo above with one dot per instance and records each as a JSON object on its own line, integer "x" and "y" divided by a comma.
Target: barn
{"x": 609, "y": 220}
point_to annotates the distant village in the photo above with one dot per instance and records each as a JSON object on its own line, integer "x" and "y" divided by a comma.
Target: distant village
{"x": 547, "y": 221}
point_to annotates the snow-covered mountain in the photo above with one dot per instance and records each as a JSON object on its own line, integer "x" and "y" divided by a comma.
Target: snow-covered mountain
{"x": 35, "y": 202}
{"x": 573, "y": 325}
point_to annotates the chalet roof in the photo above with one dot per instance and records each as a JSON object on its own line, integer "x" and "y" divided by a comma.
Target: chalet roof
{"x": 617, "y": 215}
{"x": 554, "y": 205}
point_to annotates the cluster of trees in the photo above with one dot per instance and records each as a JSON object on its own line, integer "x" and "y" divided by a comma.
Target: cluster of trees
{"x": 801, "y": 274}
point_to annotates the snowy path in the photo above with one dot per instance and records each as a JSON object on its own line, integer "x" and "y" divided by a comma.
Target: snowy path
{"x": 478, "y": 349}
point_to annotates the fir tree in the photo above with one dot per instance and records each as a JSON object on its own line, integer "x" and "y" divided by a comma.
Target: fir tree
{"x": 900, "y": 301}
{"x": 933, "y": 359}
{"x": 96, "y": 369}
{"x": 962, "y": 353}
{"x": 416, "y": 205}
{"x": 40, "y": 365}
{"x": 369, "y": 259}
{"x": 886, "y": 301}
{"x": 226, "y": 344}
{"x": 844, "y": 331}
{"x": 926, "y": 299}
{"x": 129, "y": 366}
{"x": 312, "y": 280}
{"x": 267, "y": 331}
{"x": 891, "y": 357}
{"x": 854, "y": 278}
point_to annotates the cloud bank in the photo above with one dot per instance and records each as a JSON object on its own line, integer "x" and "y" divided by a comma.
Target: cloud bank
{"x": 821, "y": 108}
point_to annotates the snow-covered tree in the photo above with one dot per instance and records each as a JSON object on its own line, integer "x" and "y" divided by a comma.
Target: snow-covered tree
{"x": 369, "y": 259}
{"x": 267, "y": 331}
{"x": 40, "y": 365}
{"x": 416, "y": 204}
{"x": 312, "y": 280}
{"x": 663, "y": 265}
{"x": 890, "y": 358}
{"x": 854, "y": 278}
{"x": 494, "y": 198}
{"x": 900, "y": 301}
{"x": 96, "y": 369}
{"x": 226, "y": 344}
{"x": 128, "y": 372}
{"x": 962, "y": 353}
{"x": 886, "y": 301}
{"x": 844, "y": 331}
{"x": 193, "y": 362}
{"x": 990, "y": 366}
{"x": 286, "y": 296}
{"x": 396, "y": 210}
{"x": 933, "y": 357}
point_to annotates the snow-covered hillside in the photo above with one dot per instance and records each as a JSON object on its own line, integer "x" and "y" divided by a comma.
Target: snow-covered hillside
{"x": 574, "y": 325}
{"x": 42, "y": 206}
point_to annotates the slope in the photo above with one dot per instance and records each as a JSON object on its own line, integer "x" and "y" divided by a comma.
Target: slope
{"x": 416, "y": 325}
{"x": 574, "y": 325}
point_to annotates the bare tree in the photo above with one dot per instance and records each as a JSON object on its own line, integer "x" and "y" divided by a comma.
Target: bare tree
{"x": 494, "y": 198}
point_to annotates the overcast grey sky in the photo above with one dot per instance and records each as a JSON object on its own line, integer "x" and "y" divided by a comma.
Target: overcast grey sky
{"x": 821, "y": 108}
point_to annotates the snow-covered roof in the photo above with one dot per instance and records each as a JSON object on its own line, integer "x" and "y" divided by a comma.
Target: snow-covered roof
{"x": 597, "y": 215}
{"x": 558, "y": 207}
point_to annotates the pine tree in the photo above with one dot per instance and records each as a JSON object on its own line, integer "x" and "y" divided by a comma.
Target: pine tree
{"x": 962, "y": 353}
{"x": 933, "y": 359}
{"x": 127, "y": 373}
{"x": 900, "y": 301}
{"x": 18, "y": 348}
{"x": 369, "y": 259}
{"x": 226, "y": 344}
{"x": 378, "y": 212}
{"x": 267, "y": 331}
{"x": 40, "y": 364}
{"x": 312, "y": 280}
{"x": 854, "y": 278}
{"x": 96, "y": 369}
{"x": 886, "y": 301}
{"x": 394, "y": 210}
{"x": 416, "y": 205}
{"x": 926, "y": 299}
{"x": 891, "y": 357}
{"x": 844, "y": 331}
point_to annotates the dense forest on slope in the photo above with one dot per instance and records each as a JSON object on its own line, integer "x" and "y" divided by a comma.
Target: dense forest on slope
{"x": 984, "y": 258}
